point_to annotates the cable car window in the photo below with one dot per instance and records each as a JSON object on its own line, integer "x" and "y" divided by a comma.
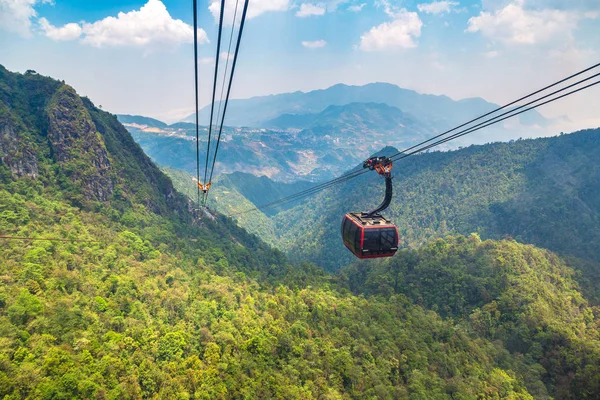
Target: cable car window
{"x": 345, "y": 233}
{"x": 372, "y": 240}
{"x": 388, "y": 239}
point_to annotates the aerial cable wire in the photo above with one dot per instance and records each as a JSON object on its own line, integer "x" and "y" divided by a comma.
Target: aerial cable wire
{"x": 227, "y": 60}
{"x": 505, "y": 113}
{"x": 222, "y": 90}
{"x": 235, "y": 57}
{"x": 404, "y": 154}
{"x": 212, "y": 104}
{"x": 195, "y": 11}
{"x": 470, "y": 130}
{"x": 327, "y": 184}
{"x": 417, "y": 149}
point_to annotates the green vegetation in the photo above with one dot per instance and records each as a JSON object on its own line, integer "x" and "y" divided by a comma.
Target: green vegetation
{"x": 132, "y": 318}
{"x": 152, "y": 302}
{"x": 521, "y": 296}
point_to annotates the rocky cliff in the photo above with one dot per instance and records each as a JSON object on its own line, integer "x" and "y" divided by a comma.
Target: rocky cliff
{"x": 49, "y": 133}
{"x": 78, "y": 146}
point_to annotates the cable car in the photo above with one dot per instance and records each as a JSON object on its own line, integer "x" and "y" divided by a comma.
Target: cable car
{"x": 369, "y": 234}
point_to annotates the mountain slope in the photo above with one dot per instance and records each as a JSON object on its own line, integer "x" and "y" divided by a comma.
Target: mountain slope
{"x": 518, "y": 295}
{"x": 362, "y": 116}
{"x": 440, "y": 111}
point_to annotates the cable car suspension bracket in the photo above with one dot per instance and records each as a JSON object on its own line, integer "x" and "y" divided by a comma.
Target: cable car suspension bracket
{"x": 383, "y": 166}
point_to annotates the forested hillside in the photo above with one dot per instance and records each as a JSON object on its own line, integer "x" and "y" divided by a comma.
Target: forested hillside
{"x": 506, "y": 292}
{"x": 144, "y": 300}
{"x": 543, "y": 191}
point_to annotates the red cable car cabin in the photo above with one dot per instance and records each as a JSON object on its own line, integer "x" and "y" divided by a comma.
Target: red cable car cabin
{"x": 369, "y": 237}
{"x": 369, "y": 234}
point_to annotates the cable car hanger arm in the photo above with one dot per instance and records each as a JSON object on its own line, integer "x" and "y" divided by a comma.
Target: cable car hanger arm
{"x": 383, "y": 166}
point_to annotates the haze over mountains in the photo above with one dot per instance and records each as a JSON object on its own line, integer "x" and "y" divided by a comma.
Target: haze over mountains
{"x": 440, "y": 111}
{"x": 314, "y": 147}
{"x": 318, "y": 135}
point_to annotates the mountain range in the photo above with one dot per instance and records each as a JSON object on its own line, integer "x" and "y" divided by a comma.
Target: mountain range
{"x": 441, "y": 112}
{"x": 318, "y": 135}
{"x": 313, "y": 147}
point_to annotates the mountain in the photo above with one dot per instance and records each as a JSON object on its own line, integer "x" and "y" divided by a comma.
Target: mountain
{"x": 143, "y": 297}
{"x": 440, "y": 111}
{"x": 343, "y": 136}
{"x": 365, "y": 117}
{"x": 139, "y": 120}
{"x": 540, "y": 191}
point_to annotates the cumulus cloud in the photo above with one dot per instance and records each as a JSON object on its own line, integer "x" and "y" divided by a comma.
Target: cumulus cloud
{"x": 315, "y": 44}
{"x": 307, "y": 9}
{"x": 437, "y": 7}
{"x": 357, "y": 8}
{"x": 15, "y": 15}
{"x": 514, "y": 24}
{"x": 151, "y": 25}
{"x": 255, "y": 8}
{"x": 397, "y": 34}
{"x": 69, "y": 31}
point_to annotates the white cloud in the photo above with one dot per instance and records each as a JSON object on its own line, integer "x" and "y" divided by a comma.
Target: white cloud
{"x": 357, "y": 8}
{"x": 15, "y": 15}
{"x": 255, "y": 8}
{"x": 151, "y": 25}
{"x": 515, "y": 24}
{"x": 315, "y": 44}
{"x": 398, "y": 34}
{"x": 437, "y": 7}
{"x": 70, "y": 31}
{"x": 206, "y": 60}
{"x": 307, "y": 10}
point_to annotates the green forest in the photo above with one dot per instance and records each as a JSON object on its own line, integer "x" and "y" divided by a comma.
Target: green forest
{"x": 148, "y": 298}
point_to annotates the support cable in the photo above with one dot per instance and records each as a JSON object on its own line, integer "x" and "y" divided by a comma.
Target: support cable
{"x": 417, "y": 148}
{"x": 212, "y": 104}
{"x": 235, "y": 57}
{"x": 195, "y": 10}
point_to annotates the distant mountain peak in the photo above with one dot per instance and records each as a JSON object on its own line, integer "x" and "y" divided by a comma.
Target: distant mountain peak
{"x": 441, "y": 110}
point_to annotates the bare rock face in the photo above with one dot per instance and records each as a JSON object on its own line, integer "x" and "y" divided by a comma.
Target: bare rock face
{"x": 77, "y": 145}
{"x": 16, "y": 152}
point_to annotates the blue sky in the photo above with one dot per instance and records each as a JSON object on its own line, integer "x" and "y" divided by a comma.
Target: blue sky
{"x": 136, "y": 56}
